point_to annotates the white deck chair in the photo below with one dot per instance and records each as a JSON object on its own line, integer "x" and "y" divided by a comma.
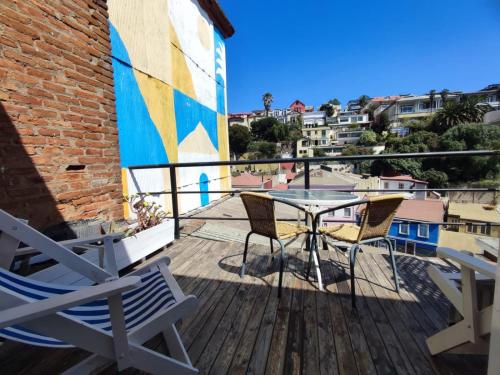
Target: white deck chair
{"x": 470, "y": 335}
{"x": 112, "y": 320}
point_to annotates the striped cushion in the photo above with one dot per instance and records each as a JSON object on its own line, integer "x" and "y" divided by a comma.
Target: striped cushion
{"x": 139, "y": 305}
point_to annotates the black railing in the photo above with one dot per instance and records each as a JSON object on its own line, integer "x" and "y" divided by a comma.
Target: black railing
{"x": 174, "y": 191}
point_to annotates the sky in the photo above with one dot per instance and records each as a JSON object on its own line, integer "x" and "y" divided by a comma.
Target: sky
{"x": 316, "y": 50}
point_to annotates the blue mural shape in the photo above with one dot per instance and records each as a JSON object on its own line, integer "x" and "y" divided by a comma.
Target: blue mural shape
{"x": 139, "y": 140}
{"x": 189, "y": 113}
{"x": 204, "y": 189}
{"x": 220, "y": 84}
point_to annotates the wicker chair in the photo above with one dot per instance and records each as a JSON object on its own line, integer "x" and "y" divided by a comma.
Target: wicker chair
{"x": 376, "y": 219}
{"x": 260, "y": 210}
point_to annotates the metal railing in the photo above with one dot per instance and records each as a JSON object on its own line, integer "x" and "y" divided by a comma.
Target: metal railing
{"x": 174, "y": 191}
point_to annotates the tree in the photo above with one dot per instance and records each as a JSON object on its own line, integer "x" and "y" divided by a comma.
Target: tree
{"x": 368, "y": 138}
{"x": 363, "y": 100}
{"x": 432, "y": 95}
{"x": 359, "y": 166}
{"x": 267, "y": 99}
{"x": 444, "y": 95}
{"x": 467, "y": 110}
{"x": 318, "y": 152}
{"x": 328, "y": 108}
{"x": 239, "y": 139}
{"x": 334, "y": 101}
{"x": 436, "y": 179}
{"x": 270, "y": 129}
{"x": 471, "y": 137}
{"x": 262, "y": 149}
{"x": 381, "y": 123}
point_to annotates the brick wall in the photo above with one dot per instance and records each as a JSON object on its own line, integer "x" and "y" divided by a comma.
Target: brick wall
{"x": 59, "y": 157}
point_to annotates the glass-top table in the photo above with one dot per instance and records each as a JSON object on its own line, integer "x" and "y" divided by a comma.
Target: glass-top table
{"x": 315, "y": 200}
{"x": 315, "y": 197}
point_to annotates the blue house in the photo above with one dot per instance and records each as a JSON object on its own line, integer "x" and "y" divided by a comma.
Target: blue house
{"x": 412, "y": 230}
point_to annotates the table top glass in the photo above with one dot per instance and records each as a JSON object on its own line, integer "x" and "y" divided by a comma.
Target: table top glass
{"x": 314, "y": 196}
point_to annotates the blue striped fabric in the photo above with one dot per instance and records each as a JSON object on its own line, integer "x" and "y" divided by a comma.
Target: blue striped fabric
{"x": 139, "y": 305}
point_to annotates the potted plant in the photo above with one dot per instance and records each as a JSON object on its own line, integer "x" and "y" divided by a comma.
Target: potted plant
{"x": 151, "y": 232}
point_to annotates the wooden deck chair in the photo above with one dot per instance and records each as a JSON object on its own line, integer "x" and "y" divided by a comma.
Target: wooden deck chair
{"x": 112, "y": 320}
{"x": 470, "y": 335}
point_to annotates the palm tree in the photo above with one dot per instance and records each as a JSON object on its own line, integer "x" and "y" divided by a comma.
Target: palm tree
{"x": 432, "y": 95}
{"x": 467, "y": 110}
{"x": 267, "y": 99}
{"x": 363, "y": 100}
{"x": 444, "y": 95}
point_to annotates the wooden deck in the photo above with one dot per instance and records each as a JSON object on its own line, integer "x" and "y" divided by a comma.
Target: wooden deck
{"x": 242, "y": 327}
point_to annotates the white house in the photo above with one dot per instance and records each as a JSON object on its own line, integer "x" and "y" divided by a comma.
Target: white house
{"x": 404, "y": 182}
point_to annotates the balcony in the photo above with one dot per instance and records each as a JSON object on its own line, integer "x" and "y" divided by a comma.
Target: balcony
{"x": 242, "y": 327}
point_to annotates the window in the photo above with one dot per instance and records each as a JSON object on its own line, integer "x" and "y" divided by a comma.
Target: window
{"x": 401, "y": 186}
{"x": 468, "y": 228}
{"x": 404, "y": 229}
{"x": 386, "y": 185}
{"x": 423, "y": 230}
{"x": 406, "y": 109}
{"x": 485, "y": 229}
{"x": 424, "y": 105}
{"x": 344, "y": 119}
{"x": 323, "y": 133}
{"x": 360, "y": 118}
{"x": 347, "y": 212}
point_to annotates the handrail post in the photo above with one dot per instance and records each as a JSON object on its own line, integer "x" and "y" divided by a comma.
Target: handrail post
{"x": 306, "y": 174}
{"x": 175, "y": 206}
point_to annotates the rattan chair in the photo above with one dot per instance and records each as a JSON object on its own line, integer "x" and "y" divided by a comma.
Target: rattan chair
{"x": 261, "y": 213}
{"x": 376, "y": 219}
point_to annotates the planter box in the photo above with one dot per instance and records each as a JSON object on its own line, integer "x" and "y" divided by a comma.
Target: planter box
{"x": 134, "y": 248}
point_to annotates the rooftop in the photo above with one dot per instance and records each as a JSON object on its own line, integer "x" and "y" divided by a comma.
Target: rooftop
{"x": 421, "y": 210}
{"x": 402, "y": 178}
{"x": 461, "y": 241}
{"x": 327, "y": 178}
{"x": 247, "y": 179}
{"x": 475, "y": 211}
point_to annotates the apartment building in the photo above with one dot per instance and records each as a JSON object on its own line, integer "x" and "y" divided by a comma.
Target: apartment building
{"x": 348, "y": 126}
{"x": 241, "y": 119}
{"x": 415, "y": 107}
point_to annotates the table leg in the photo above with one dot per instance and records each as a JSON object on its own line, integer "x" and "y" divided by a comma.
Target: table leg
{"x": 317, "y": 268}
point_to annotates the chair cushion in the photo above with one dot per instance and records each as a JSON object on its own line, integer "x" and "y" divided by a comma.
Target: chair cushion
{"x": 343, "y": 232}
{"x": 288, "y": 230}
{"x": 139, "y": 304}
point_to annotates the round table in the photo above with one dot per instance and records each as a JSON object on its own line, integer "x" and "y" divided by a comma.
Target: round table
{"x": 325, "y": 198}
{"x": 313, "y": 200}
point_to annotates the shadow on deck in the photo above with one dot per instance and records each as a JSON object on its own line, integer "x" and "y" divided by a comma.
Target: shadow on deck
{"x": 242, "y": 327}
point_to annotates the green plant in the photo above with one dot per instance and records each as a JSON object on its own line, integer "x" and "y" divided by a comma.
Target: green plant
{"x": 148, "y": 214}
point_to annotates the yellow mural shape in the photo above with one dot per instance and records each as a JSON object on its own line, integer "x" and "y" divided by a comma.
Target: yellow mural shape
{"x": 159, "y": 98}
{"x": 223, "y": 138}
{"x": 181, "y": 76}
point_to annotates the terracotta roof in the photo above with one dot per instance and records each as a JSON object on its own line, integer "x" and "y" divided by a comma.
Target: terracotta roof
{"x": 290, "y": 175}
{"x": 421, "y": 210}
{"x": 385, "y": 98}
{"x": 281, "y": 187}
{"x": 475, "y": 212}
{"x": 218, "y": 17}
{"x": 247, "y": 179}
{"x": 403, "y": 178}
{"x": 288, "y": 166}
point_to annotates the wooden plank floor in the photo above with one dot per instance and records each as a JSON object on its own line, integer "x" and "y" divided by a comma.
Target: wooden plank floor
{"x": 242, "y": 327}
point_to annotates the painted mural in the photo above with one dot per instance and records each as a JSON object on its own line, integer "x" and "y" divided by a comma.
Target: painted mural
{"x": 169, "y": 67}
